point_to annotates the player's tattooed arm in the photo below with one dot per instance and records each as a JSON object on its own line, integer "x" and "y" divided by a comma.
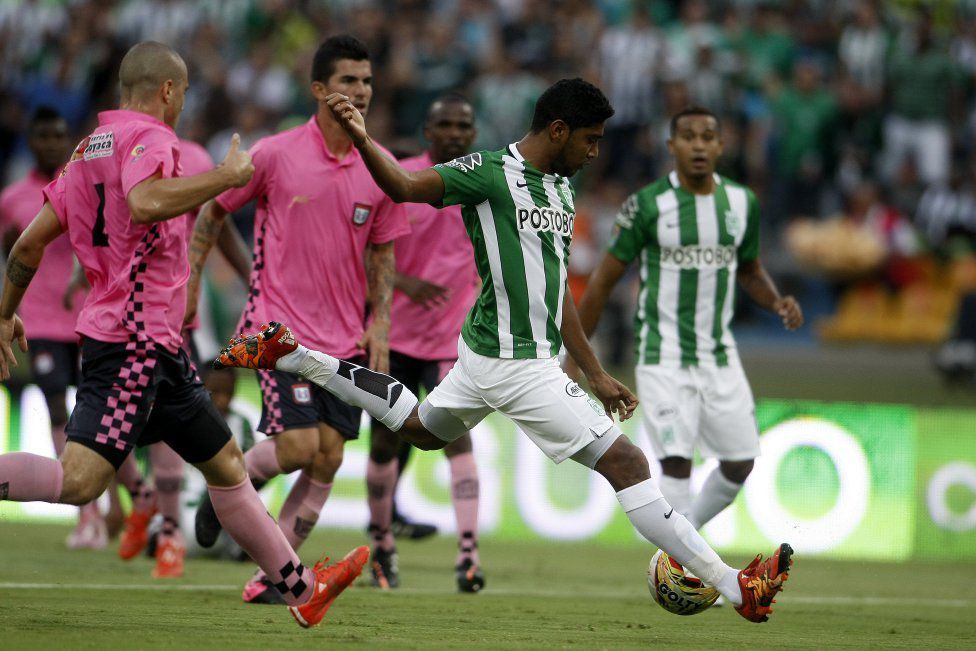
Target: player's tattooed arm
{"x": 757, "y": 283}
{"x": 207, "y": 229}
{"x": 18, "y": 273}
{"x": 381, "y": 274}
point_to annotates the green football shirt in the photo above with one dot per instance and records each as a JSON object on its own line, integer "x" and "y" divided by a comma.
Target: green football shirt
{"x": 689, "y": 248}
{"x": 520, "y": 222}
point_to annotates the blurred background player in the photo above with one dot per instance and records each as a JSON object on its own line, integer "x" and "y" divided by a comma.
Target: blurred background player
{"x": 319, "y": 215}
{"x": 53, "y": 344}
{"x": 697, "y": 235}
{"x": 121, "y": 199}
{"x": 436, "y": 285}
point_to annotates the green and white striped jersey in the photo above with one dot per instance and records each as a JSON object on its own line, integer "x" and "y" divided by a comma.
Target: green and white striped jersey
{"x": 690, "y": 247}
{"x": 520, "y": 222}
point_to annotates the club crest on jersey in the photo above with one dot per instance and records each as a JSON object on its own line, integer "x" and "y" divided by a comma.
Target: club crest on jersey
{"x": 302, "y": 394}
{"x": 733, "y": 223}
{"x": 360, "y": 213}
{"x": 138, "y": 151}
{"x": 99, "y": 145}
{"x": 465, "y": 163}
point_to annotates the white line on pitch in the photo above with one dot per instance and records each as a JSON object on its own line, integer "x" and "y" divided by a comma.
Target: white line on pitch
{"x": 844, "y": 601}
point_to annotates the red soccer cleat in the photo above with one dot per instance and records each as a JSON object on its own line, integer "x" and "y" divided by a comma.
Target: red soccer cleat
{"x": 329, "y": 583}
{"x": 261, "y": 350}
{"x": 170, "y": 555}
{"x": 135, "y": 536}
{"x": 761, "y": 580}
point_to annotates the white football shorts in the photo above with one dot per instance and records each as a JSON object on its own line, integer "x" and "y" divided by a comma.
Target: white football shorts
{"x": 710, "y": 408}
{"x": 535, "y": 394}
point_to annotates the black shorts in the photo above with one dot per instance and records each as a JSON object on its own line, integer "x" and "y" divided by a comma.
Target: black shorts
{"x": 415, "y": 373}
{"x": 289, "y": 401}
{"x": 54, "y": 365}
{"x": 136, "y": 394}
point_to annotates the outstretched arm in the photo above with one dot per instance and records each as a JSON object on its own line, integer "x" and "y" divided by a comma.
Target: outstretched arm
{"x": 158, "y": 199}
{"x": 614, "y": 395}
{"x": 760, "y": 287}
{"x": 25, "y": 257}
{"x": 234, "y": 250}
{"x": 424, "y": 186}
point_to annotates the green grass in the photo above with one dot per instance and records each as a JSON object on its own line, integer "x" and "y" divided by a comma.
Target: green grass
{"x": 537, "y": 596}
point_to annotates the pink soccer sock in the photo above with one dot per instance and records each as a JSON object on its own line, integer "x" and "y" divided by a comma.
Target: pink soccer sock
{"x": 167, "y": 477}
{"x": 262, "y": 461}
{"x": 301, "y": 509}
{"x": 59, "y": 439}
{"x": 381, "y": 481}
{"x": 465, "y": 495}
{"x": 242, "y": 514}
{"x": 26, "y": 477}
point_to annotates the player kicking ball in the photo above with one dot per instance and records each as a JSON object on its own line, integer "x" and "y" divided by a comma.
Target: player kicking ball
{"x": 517, "y": 204}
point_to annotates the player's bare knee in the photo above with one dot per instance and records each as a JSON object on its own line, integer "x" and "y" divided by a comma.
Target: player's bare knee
{"x": 296, "y": 448}
{"x": 678, "y": 467}
{"x": 383, "y": 444}
{"x": 461, "y": 446}
{"x": 328, "y": 460}
{"x": 226, "y": 468}
{"x": 78, "y": 488}
{"x": 737, "y": 471}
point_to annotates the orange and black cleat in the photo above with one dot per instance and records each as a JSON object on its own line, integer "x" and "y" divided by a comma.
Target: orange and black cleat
{"x": 330, "y": 581}
{"x": 761, "y": 580}
{"x": 170, "y": 559}
{"x": 257, "y": 351}
{"x": 135, "y": 536}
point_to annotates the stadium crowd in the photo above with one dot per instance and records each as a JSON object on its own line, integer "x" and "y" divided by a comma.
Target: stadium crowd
{"x": 854, "y": 121}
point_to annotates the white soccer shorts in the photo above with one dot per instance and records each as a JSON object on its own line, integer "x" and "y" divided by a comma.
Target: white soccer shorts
{"x": 535, "y": 394}
{"x": 708, "y": 407}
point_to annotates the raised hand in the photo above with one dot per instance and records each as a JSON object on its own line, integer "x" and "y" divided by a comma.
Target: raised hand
{"x": 237, "y": 163}
{"x": 348, "y": 116}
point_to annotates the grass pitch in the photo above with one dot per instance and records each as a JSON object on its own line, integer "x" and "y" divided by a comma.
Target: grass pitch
{"x": 537, "y": 596}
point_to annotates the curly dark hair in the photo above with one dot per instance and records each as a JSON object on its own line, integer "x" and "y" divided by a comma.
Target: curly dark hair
{"x": 576, "y": 102}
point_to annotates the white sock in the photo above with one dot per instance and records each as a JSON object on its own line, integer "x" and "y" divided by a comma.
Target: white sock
{"x": 716, "y": 494}
{"x": 664, "y": 526}
{"x": 383, "y": 397}
{"x": 677, "y": 492}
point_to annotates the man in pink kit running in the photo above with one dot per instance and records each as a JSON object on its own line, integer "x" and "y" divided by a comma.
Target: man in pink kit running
{"x": 319, "y": 215}
{"x": 436, "y": 284}
{"x": 53, "y": 343}
{"x": 120, "y": 199}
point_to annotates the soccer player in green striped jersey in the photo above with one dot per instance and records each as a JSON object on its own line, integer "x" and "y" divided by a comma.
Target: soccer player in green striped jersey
{"x": 695, "y": 235}
{"x": 517, "y": 205}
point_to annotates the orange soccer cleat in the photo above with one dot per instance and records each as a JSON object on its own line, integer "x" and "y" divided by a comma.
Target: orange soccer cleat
{"x": 135, "y": 536}
{"x": 330, "y": 581}
{"x": 261, "y": 350}
{"x": 761, "y": 580}
{"x": 170, "y": 554}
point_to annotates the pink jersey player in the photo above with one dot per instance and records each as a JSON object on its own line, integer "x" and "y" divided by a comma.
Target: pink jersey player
{"x": 316, "y": 214}
{"x": 42, "y": 311}
{"x": 137, "y": 272}
{"x": 438, "y": 251}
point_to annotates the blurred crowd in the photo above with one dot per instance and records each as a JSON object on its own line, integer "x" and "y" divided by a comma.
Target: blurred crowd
{"x": 854, "y": 120}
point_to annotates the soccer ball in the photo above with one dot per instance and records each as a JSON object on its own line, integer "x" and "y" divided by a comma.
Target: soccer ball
{"x": 675, "y": 590}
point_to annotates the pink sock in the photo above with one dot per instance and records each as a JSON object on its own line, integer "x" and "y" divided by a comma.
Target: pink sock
{"x": 381, "y": 481}
{"x": 242, "y": 514}
{"x": 26, "y": 477}
{"x": 464, "y": 495}
{"x": 167, "y": 477}
{"x": 262, "y": 461}
{"x": 59, "y": 439}
{"x": 301, "y": 509}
